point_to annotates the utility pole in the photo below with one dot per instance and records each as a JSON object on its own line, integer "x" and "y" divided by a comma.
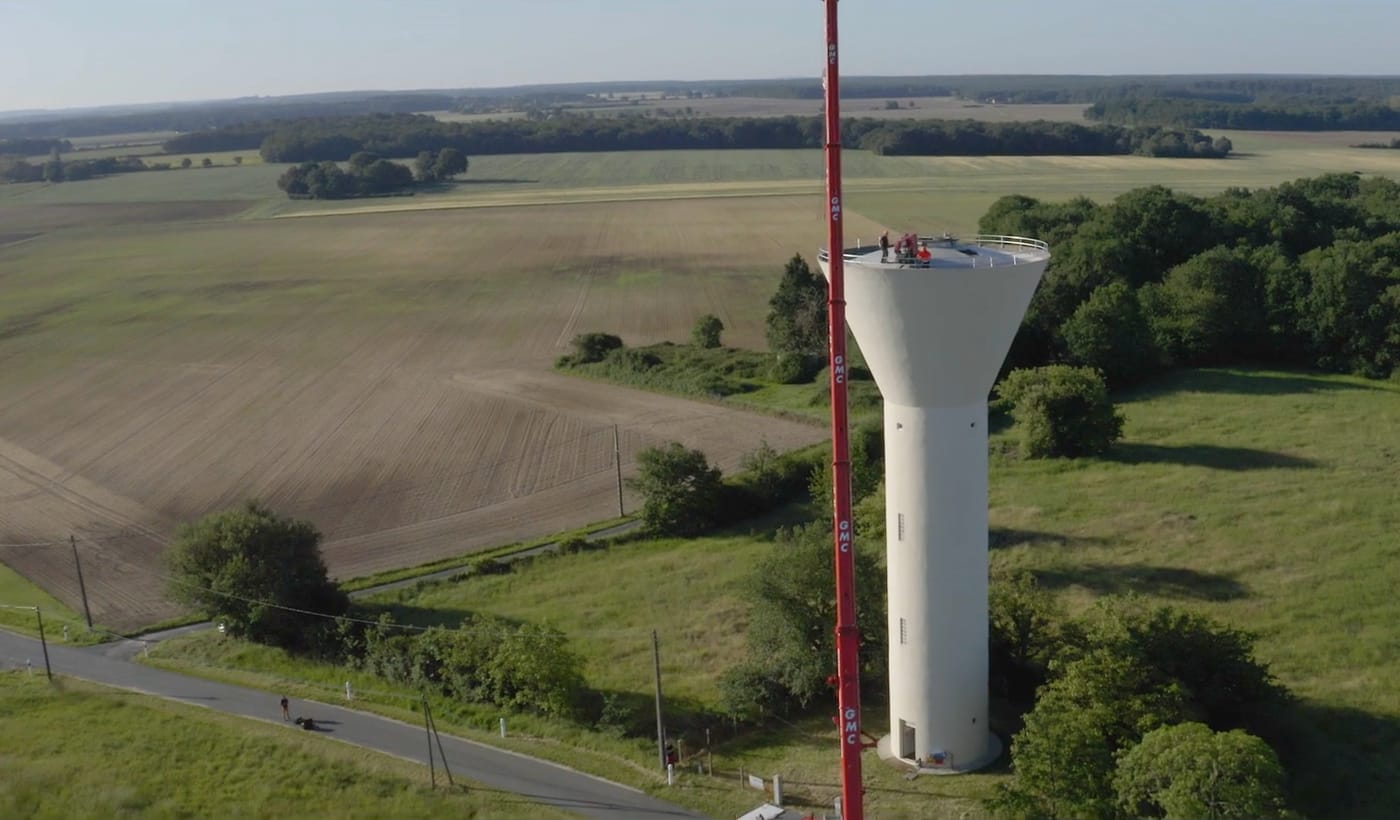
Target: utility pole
{"x": 44, "y": 643}
{"x": 428, "y": 731}
{"x": 617, "y": 459}
{"x": 660, "y": 727}
{"x": 82, "y": 588}
{"x": 438, "y": 737}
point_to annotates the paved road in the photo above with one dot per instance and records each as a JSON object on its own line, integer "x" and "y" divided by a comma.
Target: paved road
{"x": 535, "y": 779}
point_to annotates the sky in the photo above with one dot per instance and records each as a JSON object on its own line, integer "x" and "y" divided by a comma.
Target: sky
{"x": 69, "y": 53}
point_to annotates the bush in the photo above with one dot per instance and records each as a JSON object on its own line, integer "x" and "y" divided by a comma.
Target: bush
{"x": 682, "y": 491}
{"x": 490, "y": 566}
{"x": 1109, "y": 332}
{"x": 593, "y": 347}
{"x": 1188, "y": 771}
{"x": 1060, "y": 411}
{"x": 791, "y": 640}
{"x": 574, "y": 544}
{"x": 794, "y": 368}
{"x": 1125, "y": 671}
{"x": 706, "y": 332}
{"x": 632, "y": 360}
{"x": 253, "y": 569}
{"x": 1024, "y": 637}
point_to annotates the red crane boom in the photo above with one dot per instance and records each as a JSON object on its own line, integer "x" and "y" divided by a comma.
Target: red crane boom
{"x": 847, "y": 635}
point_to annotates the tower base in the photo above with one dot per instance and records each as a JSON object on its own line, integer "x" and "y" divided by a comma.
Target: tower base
{"x": 885, "y": 749}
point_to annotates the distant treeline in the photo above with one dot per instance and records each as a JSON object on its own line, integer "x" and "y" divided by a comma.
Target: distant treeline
{"x": 1304, "y": 274}
{"x": 1082, "y": 89}
{"x": 1297, "y": 116}
{"x": 58, "y": 170}
{"x": 32, "y": 147}
{"x": 202, "y": 116}
{"x": 1285, "y": 91}
{"x": 1395, "y": 143}
{"x": 336, "y": 139}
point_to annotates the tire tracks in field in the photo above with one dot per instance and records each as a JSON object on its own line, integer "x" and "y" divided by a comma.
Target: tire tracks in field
{"x": 567, "y": 332}
{"x": 69, "y": 495}
{"x": 371, "y": 390}
{"x": 181, "y": 404}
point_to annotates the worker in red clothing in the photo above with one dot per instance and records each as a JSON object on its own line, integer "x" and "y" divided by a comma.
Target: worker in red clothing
{"x": 924, "y": 255}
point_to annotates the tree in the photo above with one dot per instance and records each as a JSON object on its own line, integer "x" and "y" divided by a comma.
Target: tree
{"x": 257, "y": 572}
{"x": 1109, "y": 333}
{"x": 533, "y": 668}
{"x": 238, "y": 160}
{"x": 1350, "y": 312}
{"x": 206, "y": 163}
{"x": 1209, "y": 308}
{"x": 1023, "y": 635}
{"x": 1060, "y": 411}
{"x": 1213, "y": 664}
{"x": 186, "y": 162}
{"x": 593, "y": 347}
{"x": 796, "y": 323}
{"x": 792, "y": 647}
{"x": 706, "y": 331}
{"x": 383, "y": 176}
{"x": 1188, "y": 772}
{"x": 424, "y": 166}
{"x": 682, "y": 490}
{"x": 449, "y": 163}
{"x": 1063, "y": 758}
{"x": 360, "y": 160}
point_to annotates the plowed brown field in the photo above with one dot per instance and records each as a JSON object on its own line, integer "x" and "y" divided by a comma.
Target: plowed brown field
{"x": 387, "y": 376}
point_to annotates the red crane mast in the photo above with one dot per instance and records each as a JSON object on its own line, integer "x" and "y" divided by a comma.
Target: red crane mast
{"x": 847, "y": 635}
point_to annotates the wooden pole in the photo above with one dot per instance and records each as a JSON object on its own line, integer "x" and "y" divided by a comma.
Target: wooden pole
{"x": 660, "y": 727}
{"x": 441, "y": 753}
{"x": 44, "y": 643}
{"x": 82, "y": 587}
{"x": 617, "y": 459}
{"x": 427, "y": 730}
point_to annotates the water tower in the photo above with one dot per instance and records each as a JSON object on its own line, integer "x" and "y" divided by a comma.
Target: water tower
{"x": 934, "y": 333}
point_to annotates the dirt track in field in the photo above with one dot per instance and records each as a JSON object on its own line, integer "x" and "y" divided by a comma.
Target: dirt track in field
{"x": 388, "y": 378}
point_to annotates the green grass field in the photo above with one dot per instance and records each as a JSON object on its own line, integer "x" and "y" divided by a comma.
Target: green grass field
{"x": 18, "y": 597}
{"x": 75, "y": 750}
{"x": 1265, "y": 499}
{"x": 930, "y": 192}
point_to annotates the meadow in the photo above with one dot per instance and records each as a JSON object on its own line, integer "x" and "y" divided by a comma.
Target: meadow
{"x": 172, "y": 342}
{"x": 383, "y": 367}
{"x": 1266, "y": 499}
{"x": 77, "y": 750}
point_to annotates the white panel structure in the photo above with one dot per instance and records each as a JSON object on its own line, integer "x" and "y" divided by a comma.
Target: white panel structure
{"x": 934, "y": 334}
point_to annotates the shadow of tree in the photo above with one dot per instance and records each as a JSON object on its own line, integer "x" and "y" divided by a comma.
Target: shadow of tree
{"x": 1207, "y": 455}
{"x": 1003, "y": 537}
{"x": 1342, "y": 762}
{"x": 1167, "y": 582}
{"x": 1240, "y": 383}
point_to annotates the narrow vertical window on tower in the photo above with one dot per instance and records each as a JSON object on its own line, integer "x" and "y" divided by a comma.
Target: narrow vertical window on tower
{"x": 899, "y": 526}
{"x": 903, "y": 631}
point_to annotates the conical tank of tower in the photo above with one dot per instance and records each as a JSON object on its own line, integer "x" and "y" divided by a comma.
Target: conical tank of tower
{"x": 934, "y": 333}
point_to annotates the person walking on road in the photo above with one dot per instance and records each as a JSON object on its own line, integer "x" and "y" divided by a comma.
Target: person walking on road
{"x": 286, "y": 714}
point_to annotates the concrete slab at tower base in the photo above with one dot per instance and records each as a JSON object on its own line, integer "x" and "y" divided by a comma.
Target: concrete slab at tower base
{"x": 886, "y": 751}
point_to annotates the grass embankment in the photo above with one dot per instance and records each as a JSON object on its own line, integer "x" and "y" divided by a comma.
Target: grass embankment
{"x": 18, "y": 598}
{"x": 1265, "y": 499}
{"x": 77, "y": 750}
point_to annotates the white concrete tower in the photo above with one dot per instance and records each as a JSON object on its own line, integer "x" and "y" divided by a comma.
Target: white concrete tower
{"x": 934, "y": 335}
